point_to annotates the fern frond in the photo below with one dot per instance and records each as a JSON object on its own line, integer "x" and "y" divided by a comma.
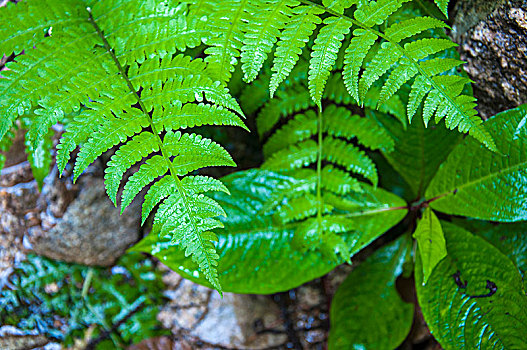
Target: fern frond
{"x": 355, "y": 54}
{"x": 339, "y": 181}
{"x": 127, "y": 155}
{"x": 376, "y": 12}
{"x": 443, "y": 6}
{"x": 324, "y": 54}
{"x": 293, "y": 38}
{"x": 286, "y": 102}
{"x": 134, "y": 95}
{"x": 339, "y": 122}
{"x": 176, "y": 220}
{"x": 166, "y": 26}
{"x": 300, "y": 128}
{"x": 111, "y": 132}
{"x": 315, "y": 149}
{"x": 293, "y": 157}
{"x": 267, "y": 22}
{"x": 350, "y": 157}
{"x": 182, "y": 116}
{"x": 249, "y": 28}
{"x": 410, "y": 27}
{"x": 385, "y": 58}
{"x": 227, "y": 25}
{"x": 148, "y": 172}
{"x": 423, "y": 48}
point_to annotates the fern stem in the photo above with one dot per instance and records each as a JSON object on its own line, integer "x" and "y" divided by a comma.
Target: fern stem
{"x": 320, "y": 207}
{"x": 398, "y": 46}
{"x": 143, "y": 108}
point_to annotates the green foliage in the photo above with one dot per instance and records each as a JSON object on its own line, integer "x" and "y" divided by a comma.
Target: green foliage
{"x": 431, "y": 242}
{"x": 357, "y": 95}
{"x": 418, "y": 151}
{"x": 248, "y": 29}
{"x": 42, "y": 293}
{"x": 132, "y": 92}
{"x": 368, "y": 300}
{"x": 321, "y": 149}
{"x": 478, "y": 292}
{"x": 482, "y": 184}
{"x": 252, "y": 244}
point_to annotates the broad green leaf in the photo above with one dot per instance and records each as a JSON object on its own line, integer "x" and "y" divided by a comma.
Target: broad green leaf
{"x": 367, "y": 312}
{"x": 374, "y": 211}
{"x": 431, "y": 241}
{"x": 252, "y": 245}
{"x": 510, "y": 238}
{"x": 418, "y": 150}
{"x": 474, "y": 298}
{"x": 482, "y": 184}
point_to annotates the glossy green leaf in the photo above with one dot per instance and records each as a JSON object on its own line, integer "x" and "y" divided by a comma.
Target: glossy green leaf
{"x": 373, "y": 211}
{"x": 252, "y": 245}
{"x": 474, "y": 298}
{"x": 418, "y": 151}
{"x": 509, "y": 238}
{"x": 367, "y": 312}
{"x": 431, "y": 242}
{"x": 478, "y": 183}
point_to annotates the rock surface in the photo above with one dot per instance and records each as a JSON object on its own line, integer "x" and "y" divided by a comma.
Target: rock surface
{"x": 493, "y": 40}
{"x": 89, "y": 230}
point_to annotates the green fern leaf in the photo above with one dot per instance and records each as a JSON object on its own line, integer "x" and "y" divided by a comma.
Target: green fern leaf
{"x": 354, "y": 56}
{"x": 300, "y": 128}
{"x": 423, "y": 48}
{"x": 443, "y": 6}
{"x": 293, "y": 157}
{"x": 294, "y": 37}
{"x": 339, "y": 181}
{"x": 299, "y": 208}
{"x": 197, "y": 245}
{"x": 339, "y": 122}
{"x": 385, "y": 58}
{"x": 376, "y": 12}
{"x": 410, "y": 27}
{"x": 111, "y": 132}
{"x": 439, "y": 65}
{"x": 182, "y": 116}
{"x": 400, "y": 75}
{"x": 227, "y": 25}
{"x": 156, "y": 194}
{"x": 202, "y": 184}
{"x": 148, "y": 172}
{"x": 324, "y": 54}
{"x": 350, "y": 157}
{"x": 267, "y": 22}
{"x": 127, "y": 155}
{"x": 131, "y": 96}
{"x": 294, "y": 100}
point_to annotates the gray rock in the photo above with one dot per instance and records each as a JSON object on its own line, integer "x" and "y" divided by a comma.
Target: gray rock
{"x": 492, "y": 37}
{"x": 200, "y": 317}
{"x": 91, "y": 231}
